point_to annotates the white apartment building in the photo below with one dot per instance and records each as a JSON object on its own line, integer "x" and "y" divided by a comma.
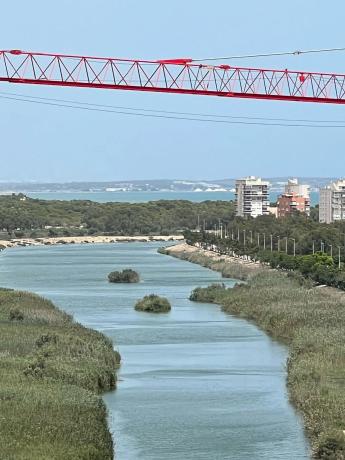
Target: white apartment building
{"x": 252, "y": 197}
{"x": 332, "y": 202}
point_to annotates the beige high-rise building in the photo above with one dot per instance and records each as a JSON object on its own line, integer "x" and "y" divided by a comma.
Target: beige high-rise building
{"x": 332, "y": 202}
{"x": 252, "y": 197}
{"x": 294, "y": 187}
{"x": 296, "y": 197}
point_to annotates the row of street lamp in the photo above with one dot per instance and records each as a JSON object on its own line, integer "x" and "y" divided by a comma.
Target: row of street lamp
{"x": 222, "y": 232}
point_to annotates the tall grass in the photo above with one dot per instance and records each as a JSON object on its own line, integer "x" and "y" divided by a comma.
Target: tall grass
{"x": 52, "y": 371}
{"x": 312, "y": 322}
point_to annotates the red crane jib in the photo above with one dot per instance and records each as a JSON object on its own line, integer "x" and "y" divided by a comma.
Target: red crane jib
{"x": 181, "y": 76}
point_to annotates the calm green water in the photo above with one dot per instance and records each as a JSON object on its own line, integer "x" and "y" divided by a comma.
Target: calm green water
{"x": 195, "y": 383}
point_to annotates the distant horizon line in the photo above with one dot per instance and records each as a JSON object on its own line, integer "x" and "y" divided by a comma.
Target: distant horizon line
{"x": 6, "y": 181}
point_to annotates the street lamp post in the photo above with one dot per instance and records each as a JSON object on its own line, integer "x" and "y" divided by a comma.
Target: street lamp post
{"x": 339, "y": 257}
{"x": 278, "y": 243}
{"x": 343, "y": 234}
{"x": 264, "y": 241}
{"x": 244, "y": 238}
{"x": 294, "y": 246}
{"x": 258, "y": 240}
{"x": 271, "y": 243}
{"x": 251, "y": 236}
{"x": 286, "y": 244}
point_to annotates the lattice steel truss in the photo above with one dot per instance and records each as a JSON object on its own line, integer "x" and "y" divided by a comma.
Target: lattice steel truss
{"x": 170, "y": 76}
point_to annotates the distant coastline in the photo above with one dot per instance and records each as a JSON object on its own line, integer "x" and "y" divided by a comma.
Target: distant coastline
{"x": 146, "y": 196}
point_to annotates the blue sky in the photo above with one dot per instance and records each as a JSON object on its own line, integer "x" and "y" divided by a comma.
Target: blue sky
{"x": 44, "y": 143}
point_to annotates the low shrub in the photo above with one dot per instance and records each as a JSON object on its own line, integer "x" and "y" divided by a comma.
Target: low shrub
{"x": 209, "y": 294}
{"x": 125, "y": 276}
{"x": 16, "y": 315}
{"x": 153, "y": 304}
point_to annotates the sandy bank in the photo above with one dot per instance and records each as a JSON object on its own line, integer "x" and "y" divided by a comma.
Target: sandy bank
{"x": 86, "y": 240}
{"x": 185, "y": 249}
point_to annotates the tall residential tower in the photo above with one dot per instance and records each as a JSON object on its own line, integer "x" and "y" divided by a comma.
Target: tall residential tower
{"x": 332, "y": 202}
{"x": 252, "y": 198}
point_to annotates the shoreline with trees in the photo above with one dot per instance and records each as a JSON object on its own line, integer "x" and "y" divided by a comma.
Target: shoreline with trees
{"x": 23, "y": 242}
{"x": 309, "y": 320}
{"x": 295, "y": 243}
{"x": 22, "y": 217}
{"x": 53, "y": 372}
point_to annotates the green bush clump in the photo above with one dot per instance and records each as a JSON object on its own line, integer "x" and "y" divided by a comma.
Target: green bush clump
{"x": 46, "y": 339}
{"x": 125, "y": 276}
{"x": 153, "y": 304}
{"x": 209, "y": 294}
{"x": 16, "y": 315}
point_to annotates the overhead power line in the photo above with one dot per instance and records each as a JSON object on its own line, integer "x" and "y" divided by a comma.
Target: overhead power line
{"x": 212, "y": 119}
{"x": 169, "y": 112}
{"x": 279, "y": 53}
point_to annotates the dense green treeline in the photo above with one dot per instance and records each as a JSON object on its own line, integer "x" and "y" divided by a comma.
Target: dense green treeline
{"x": 305, "y": 230}
{"x": 52, "y": 371}
{"x": 319, "y": 267}
{"x": 21, "y": 216}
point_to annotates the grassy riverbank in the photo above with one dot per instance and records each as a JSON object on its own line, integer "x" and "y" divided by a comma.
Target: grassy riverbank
{"x": 312, "y": 322}
{"x": 52, "y": 371}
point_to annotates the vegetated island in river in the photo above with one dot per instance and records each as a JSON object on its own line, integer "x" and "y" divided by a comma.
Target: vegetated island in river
{"x": 311, "y": 320}
{"x": 153, "y": 304}
{"x": 52, "y": 371}
{"x": 125, "y": 276}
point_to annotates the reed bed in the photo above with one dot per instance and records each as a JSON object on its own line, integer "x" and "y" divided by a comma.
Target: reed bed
{"x": 52, "y": 372}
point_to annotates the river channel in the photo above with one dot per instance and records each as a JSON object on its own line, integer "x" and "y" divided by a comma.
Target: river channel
{"x": 195, "y": 383}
